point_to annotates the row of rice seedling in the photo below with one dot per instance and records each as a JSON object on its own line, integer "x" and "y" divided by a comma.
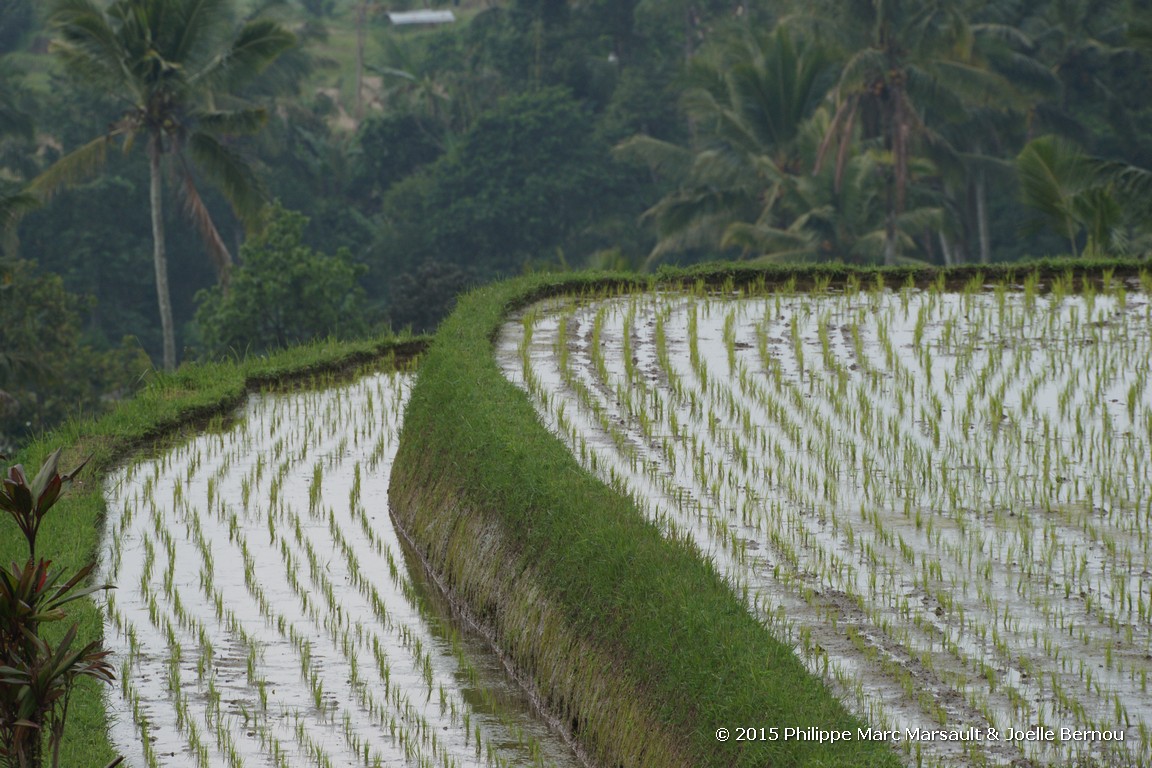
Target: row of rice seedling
{"x": 264, "y": 614}
{"x": 941, "y": 498}
{"x": 633, "y": 640}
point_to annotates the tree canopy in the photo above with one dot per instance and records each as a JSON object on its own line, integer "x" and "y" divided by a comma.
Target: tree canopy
{"x": 533, "y": 134}
{"x": 176, "y": 63}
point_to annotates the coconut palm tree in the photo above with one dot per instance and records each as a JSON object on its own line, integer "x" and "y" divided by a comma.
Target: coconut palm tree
{"x": 819, "y": 218}
{"x": 1103, "y": 203}
{"x": 750, "y": 102}
{"x": 902, "y": 61}
{"x": 177, "y": 65}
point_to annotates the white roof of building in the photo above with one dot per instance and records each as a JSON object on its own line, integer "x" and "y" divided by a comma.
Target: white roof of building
{"x": 421, "y": 17}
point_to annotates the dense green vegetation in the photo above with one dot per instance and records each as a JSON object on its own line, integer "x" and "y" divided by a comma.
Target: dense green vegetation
{"x": 284, "y": 293}
{"x": 543, "y": 134}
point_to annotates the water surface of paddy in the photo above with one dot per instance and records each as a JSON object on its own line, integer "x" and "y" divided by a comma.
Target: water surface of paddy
{"x": 943, "y": 500}
{"x": 265, "y": 614}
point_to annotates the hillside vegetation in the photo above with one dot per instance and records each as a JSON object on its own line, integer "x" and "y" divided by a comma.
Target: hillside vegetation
{"x": 527, "y": 135}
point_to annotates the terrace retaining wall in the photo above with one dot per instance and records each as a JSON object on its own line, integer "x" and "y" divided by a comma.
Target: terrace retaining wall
{"x": 631, "y": 641}
{"x": 578, "y": 686}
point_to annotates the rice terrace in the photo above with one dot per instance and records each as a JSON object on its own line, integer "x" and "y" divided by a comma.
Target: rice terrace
{"x": 265, "y": 614}
{"x": 722, "y": 517}
{"x": 940, "y": 498}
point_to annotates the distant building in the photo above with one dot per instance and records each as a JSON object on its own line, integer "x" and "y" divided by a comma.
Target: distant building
{"x": 402, "y": 18}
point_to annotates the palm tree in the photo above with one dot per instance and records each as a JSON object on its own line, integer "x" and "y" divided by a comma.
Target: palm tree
{"x": 901, "y": 57}
{"x": 981, "y": 138}
{"x": 750, "y": 103}
{"x": 1103, "y": 203}
{"x": 821, "y": 218}
{"x": 177, "y": 65}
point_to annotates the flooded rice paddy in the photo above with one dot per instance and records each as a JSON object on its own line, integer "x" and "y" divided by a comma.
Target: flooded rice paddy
{"x": 942, "y": 500}
{"x": 265, "y": 613}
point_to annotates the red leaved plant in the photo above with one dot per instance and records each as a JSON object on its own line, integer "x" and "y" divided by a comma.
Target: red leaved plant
{"x": 36, "y": 679}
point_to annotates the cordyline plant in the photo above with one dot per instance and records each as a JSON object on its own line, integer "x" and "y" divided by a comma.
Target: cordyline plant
{"x": 36, "y": 679}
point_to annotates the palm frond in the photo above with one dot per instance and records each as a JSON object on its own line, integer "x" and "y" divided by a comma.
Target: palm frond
{"x": 256, "y": 46}
{"x": 288, "y": 73}
{"x": 721, "y": 168}
{"x": 985, "y": 163}
{"x": 921, "y": 219}
{"x": 1003, "y": 33}
{"x": 230, "y": 172}
{"x": 678, "y": 211}
{"x": 77, "y": 166}
{"x": 1051, "y": 173}
{"x": 237, "y": 122}
{"x": 763, "y": 239}
{"x": 835, "y": 130}
{"x": 198, "y": 212}
{"x": 1131, "y": 184}
{"x": 971, "y": 83}
{"x": 703, "y": 232}
{"x": 87, "y": 43}
{"x": 871, "y": 246}
{"x": 864, "y": 66}
{"x": 663, "y": 157}
{"x": 1101, "y": 214}
{"x": 195, "y": 27}
{"x": 13, "y": 207}
{"x": 1026, "y": 73}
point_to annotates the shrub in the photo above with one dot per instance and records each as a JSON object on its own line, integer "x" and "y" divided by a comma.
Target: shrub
{"x": 36, "y": 679}
{"x": 282, "y": 293}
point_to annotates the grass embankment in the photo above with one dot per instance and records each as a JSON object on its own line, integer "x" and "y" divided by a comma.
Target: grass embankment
{"x": 477, "y": 478}
{"x": 634, "y": 640}
{"x": 170, "y": 407}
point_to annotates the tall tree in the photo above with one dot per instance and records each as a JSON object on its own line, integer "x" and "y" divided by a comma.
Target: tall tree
{"x": 178, "y": 65}
{"x": 903, "y": 60}
{"x": 16, "y": 133}
{"x": 750, "y": 101}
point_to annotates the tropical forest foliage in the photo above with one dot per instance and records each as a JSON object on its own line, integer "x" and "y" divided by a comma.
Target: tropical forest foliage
{"x": 141, "y": 142}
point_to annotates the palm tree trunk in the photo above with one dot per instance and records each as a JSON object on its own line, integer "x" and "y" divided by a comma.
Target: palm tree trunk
{"x": 361, "y": 18}
{"x": 897, "y": 143}
{"x": 946, "y": 249}
{"x": 159, "y": 256}
{"x": 890, "y": 239}
{"x": 890, "y": 223}
{"x": 982, "y": 218}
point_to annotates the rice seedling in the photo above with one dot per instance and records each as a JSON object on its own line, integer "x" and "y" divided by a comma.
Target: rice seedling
{"x": 254, "y": 624}
{"x": 962, "y": 475}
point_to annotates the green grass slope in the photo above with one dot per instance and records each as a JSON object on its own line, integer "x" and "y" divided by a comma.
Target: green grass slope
{"x": 660, "y": 622}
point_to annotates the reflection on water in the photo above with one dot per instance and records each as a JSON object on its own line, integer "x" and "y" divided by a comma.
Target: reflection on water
{"x": 266, "y": 615}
